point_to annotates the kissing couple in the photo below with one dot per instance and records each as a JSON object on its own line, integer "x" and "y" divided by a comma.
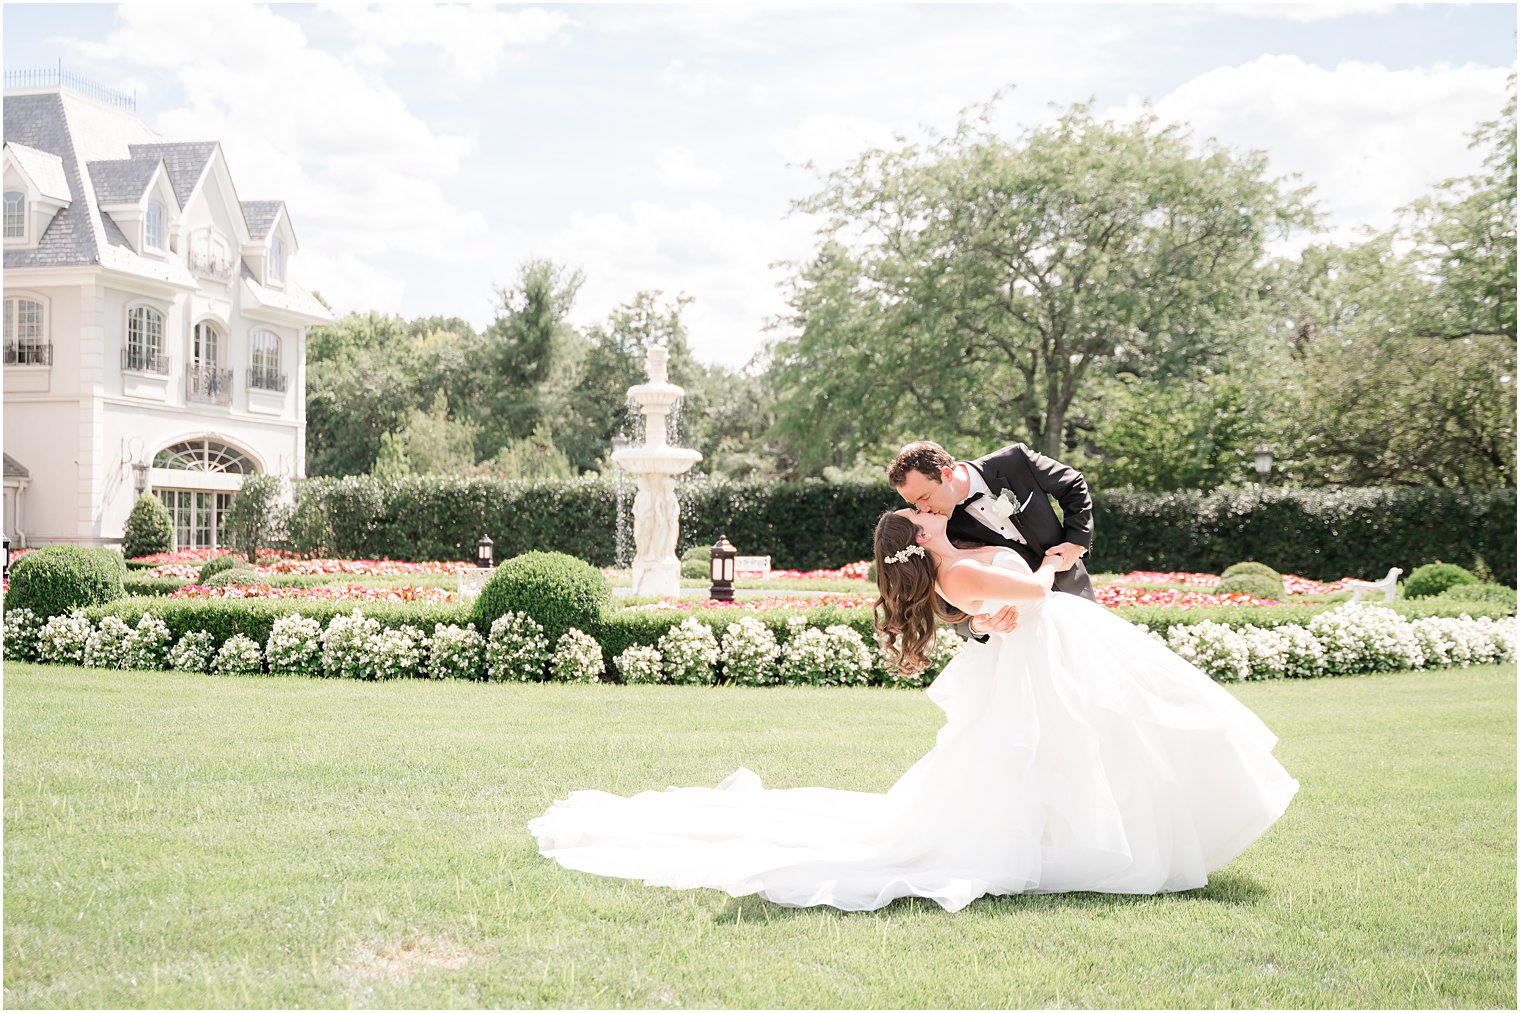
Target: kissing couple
{"x": 1077, "y": 753}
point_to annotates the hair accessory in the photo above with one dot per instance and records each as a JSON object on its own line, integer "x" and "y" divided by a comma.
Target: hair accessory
{"x": 905, "y": 553}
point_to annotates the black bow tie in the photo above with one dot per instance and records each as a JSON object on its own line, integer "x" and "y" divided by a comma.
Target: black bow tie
{"x": 972, "y": 498}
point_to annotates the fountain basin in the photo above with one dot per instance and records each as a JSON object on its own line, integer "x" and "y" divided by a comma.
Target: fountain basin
{"x": 656, "y": 460}
{"x": 656, "y": 395}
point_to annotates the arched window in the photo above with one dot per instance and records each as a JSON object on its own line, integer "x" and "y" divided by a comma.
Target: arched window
{"x": 26, "y": 342}
{"x": 204, "y": 455}
{"x": 205, "y": 380}
{"x": 145, "y": 341}
{"x": 276, "y": 259}
{"x": 265, "y": 372}
{"x": 206, "y": 348}
{"x": 15, "y": 214}
{"x": 153, "y": 236}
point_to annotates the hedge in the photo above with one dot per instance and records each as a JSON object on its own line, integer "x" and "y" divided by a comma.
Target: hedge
{"x": 1321, "y": 534}
{"x": 254, "y": 617}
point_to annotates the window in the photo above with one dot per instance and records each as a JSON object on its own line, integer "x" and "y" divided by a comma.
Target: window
{"x": 265, "y": 373}
{"x": 145, "y": 341}
{"x": 207, "y": 346}
{"x": 154, "y": 235}
{"x": 15, "y": 214}
{"x": 276, "y": 259}
{"x": 26, "y": 341}
{"x": 199, "y": 516}
{"x": 205, "y": 380}
{"x": 204, "y": 455}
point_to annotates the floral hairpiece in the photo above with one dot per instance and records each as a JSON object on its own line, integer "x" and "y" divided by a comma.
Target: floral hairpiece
{"x": 905, "y": 553}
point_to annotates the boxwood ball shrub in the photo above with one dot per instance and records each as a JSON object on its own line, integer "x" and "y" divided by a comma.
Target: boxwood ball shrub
{"x": 149, "y": 528}
{"x": 696, "y": 562}
{"x": 232, "y": 575}
{"x": 1433, "y": 578}
{"x": 1252, "y": 567}
{"x": 1254, "y": 584}
{"x": 57, "y": 579}
{"x": 560, "y": 592}
{"x": 1497, "y": 593}
{"x": 216, "y": 564}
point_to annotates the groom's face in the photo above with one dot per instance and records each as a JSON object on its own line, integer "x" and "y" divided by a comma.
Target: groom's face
{"x": 929, "y": 495}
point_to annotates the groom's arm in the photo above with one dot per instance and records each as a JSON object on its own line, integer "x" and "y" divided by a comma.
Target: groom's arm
{"x": 1069, "y": 488}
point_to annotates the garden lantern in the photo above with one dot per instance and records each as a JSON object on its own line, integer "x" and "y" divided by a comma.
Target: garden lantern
{"x": 1263, "y": 462}
{"x": 5, "y": 554}
{"x": 722, "y": 570}
{"x": 483, "y": 552}
{"x": 140, "y": 477}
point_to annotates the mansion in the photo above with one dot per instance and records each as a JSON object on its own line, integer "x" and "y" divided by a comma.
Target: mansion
{"x": 155, "y": 338}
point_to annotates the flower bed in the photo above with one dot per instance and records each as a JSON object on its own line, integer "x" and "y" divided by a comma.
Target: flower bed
{"x": 849, "y": 571}
{"x": 1121, "y": 596}
{"x": 319, "y": 567}
{"x": 202, "y": 555}
{"x": 347, "y": 592}
{"x": 846, "y": 601}
{"x": 1292, "y": 583}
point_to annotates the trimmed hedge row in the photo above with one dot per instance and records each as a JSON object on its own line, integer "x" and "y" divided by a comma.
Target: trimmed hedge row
{"x": 1321, "y": 534}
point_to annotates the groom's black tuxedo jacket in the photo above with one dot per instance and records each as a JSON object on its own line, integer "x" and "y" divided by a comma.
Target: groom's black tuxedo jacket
{"x": 1023, "y": 472}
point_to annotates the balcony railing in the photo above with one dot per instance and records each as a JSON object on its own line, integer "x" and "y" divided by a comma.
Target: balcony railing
{"x": 207, "y": 383}
{"x": 30, "y": 353}
{"x": 266, "y": 379}
{"x": 144, "y": 361}
{"x": 216, "y": 268}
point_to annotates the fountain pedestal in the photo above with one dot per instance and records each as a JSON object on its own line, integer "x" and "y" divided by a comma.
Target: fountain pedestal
{"x": 654, "y": 466}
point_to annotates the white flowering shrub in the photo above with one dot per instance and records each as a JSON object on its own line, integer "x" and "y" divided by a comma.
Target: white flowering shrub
{"x": 836, "y": 656}
{"x": 456, "y": 652}
{"x": 21, "y": 628}
{"x": 1284, "y": 652}
{"x": 294, "y": 646}
{"x": 62, "y": 639}
{"x": 396, "y": 653}
{"x": 106, "y": 646}
{"x": 517, "y": 649}
{"x": 148, "y": 644}
{"x": 240, "y": 655}
{"x": 578, "y": 658}
{"x": 1464, "y": 640}
{"x": 640, "y": 663}
{"x": 947, "y": 644}
{"x": 748, "y": 653}
{"x": 1366, "y": 638}
{"x": 346, "y": 646}
{"x": 1221, "y": 652}
{"x": 690, "y": 652}
{"x": 194, "y": 652}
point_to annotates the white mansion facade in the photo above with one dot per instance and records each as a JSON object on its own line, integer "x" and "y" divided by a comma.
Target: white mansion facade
{"x": 154, "y": 336}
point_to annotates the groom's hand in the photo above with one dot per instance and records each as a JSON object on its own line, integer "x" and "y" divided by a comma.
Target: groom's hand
{"x": 1069, "y": 552}
{"x": 1001, "y": 621}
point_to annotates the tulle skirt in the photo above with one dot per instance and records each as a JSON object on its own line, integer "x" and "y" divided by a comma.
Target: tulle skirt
{"x": 1077, "y": 753}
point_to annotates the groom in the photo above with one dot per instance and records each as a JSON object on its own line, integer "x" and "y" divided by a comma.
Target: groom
{"x": 1000, "y": 499}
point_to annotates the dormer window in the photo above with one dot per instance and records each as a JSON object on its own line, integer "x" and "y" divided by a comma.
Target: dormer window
{"x": 153, "y": 230}
{"x": 276, "y": 259}
{"x": 15, "y": 214}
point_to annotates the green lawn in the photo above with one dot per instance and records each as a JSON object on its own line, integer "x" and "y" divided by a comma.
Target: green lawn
{"x": 183, "y": 840}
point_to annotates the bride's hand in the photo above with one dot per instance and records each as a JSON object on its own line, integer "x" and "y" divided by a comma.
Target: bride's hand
{"x": 1058, "y": 560}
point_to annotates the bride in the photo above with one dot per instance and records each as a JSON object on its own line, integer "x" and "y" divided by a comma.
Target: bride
{"x": 1078, "y": 753}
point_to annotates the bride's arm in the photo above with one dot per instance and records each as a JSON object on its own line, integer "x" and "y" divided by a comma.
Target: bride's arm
{"x": 971, "y": 580}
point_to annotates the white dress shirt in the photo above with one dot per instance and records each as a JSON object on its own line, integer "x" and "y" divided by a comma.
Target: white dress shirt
{"x": 981, "y": 509}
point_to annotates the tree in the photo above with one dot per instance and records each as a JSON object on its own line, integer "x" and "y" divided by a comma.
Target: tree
{"x": 255, "y": 517}
{"x": 975, "y": 286}
{"x": 431, "y": 443}
{"x": 149, "y": 529}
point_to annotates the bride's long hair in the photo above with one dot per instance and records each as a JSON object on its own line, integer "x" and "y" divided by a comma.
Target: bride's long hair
{"x": 904, "y": 613}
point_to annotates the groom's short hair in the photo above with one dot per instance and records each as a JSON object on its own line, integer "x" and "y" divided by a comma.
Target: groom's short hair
{"x": 923, "y": 456}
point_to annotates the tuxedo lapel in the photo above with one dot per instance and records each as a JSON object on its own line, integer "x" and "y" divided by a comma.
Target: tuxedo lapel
{"x": 996, "y": 485}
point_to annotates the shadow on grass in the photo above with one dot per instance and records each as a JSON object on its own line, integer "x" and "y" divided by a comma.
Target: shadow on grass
{"x": 1223, "y": 888}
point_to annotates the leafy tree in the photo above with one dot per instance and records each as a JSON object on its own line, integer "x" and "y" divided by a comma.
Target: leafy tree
{"x": 529, "y": 349}
{"x": 974, "y": 286}
{"x": 256, "y": 517}
{"x": 149, "y": 529}
{"x": 431, "y": 443}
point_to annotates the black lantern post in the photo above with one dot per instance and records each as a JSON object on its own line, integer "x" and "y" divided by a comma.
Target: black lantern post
{"x": 5, "y": 554}
{"x": 1263, "y": 462}
{"x": 483, "y": 553}
{"x": 722, "y": 570}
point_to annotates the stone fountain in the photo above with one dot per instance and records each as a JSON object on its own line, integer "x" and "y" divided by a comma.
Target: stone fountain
{"x": 654, "y": 466}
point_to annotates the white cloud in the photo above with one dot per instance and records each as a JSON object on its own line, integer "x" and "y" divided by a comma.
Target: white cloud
{"x": 1302, "y": 13}
{"x": 349, "y": 283}
{"x": 689, "y": 81}
{"x": 1368, "y": 138}
{"x": 829, "y": 140}
{"x": 679, "y": 168}
{"x": 722, "y": 260}
{"x": 473, "y": 39}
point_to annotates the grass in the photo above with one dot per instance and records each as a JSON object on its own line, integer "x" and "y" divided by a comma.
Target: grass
{"x": 181, "y": 840}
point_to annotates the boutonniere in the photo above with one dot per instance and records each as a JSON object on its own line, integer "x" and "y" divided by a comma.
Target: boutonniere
{"x": 1007, "y": 505}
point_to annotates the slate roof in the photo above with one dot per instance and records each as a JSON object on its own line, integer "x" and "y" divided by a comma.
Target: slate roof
{"x": 38, "y": 121}
{"x": 260, "y": 216}
{"x": 44, "y": 168}
{"x": 122, "y": 181}
{"x": 185, "y": 160}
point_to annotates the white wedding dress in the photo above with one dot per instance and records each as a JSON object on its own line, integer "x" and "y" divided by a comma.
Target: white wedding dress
{"x": 1078, "y": 753}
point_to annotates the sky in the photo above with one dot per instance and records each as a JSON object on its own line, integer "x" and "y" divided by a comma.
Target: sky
{"x": 425, "y": 151}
